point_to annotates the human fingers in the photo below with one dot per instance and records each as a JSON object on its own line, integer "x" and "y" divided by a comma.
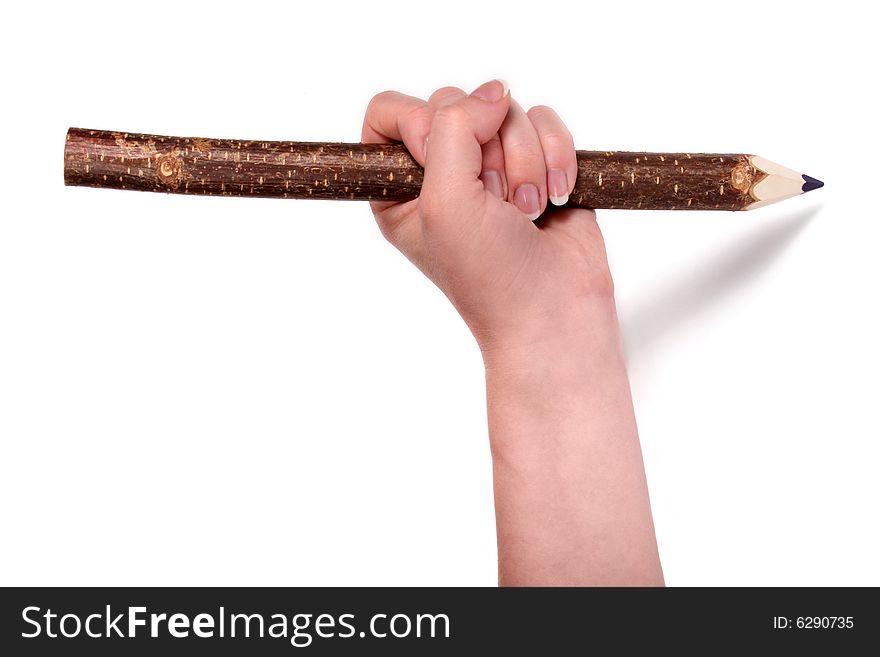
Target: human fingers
{"x": 559, "y": 154}
{"x": 524, "y": 162}
{"x": 445, "y": 96}
{"x": 454, "y": 157}
{"x": 493, "y": 176}
{"x": 493, "y": 156}
{"x": 393, "y": 116}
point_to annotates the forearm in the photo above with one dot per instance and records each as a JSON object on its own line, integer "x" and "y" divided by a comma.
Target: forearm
{"x": 571, "y": 499}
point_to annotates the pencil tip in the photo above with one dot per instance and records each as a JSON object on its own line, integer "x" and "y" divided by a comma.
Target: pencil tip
{"x": 811, "y": 183}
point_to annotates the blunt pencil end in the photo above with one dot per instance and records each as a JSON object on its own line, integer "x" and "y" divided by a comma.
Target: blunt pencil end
{"x": 811, "y": 183}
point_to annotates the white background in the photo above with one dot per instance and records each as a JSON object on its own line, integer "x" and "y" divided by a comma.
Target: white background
{"x": 240, "y": 391}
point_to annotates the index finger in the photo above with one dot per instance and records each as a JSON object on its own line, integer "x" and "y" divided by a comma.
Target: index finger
{"x": 393, "y": 116}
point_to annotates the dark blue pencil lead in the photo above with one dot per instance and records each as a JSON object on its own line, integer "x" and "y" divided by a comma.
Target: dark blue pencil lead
{"x": 811, "y": 183}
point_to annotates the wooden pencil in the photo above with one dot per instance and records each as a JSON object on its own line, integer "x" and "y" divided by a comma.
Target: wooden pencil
{"x": 387, "y": 172}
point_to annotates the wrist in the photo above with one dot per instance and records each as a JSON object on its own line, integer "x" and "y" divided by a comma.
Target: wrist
{"x": 550, "y": 341}
{"x": 570, "y": 367}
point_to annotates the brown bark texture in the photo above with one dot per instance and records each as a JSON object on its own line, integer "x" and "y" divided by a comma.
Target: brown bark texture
{"x": 384, "y": 172}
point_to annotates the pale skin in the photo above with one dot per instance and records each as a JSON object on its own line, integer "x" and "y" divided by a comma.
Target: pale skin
{"x": 571, "y": 500}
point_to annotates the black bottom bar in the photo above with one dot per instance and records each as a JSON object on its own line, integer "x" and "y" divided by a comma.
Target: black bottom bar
{"x": 421, "y": 621}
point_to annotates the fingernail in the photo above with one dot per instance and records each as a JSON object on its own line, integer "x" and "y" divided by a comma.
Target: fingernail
{"x": 492, "y": 182}
{"x": 492, "y": 91}
{"x": 557, "y": 186}
{"x": 528, "y": 200}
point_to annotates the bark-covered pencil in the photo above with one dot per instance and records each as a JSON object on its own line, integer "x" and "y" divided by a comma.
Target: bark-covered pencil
{"x": 339, "y": 171}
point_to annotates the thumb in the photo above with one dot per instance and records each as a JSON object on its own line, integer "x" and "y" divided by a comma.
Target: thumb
{"x": 454, "y": 156}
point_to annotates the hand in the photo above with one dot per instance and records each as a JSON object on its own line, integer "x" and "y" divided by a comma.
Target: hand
{"x": 571, "y": 501}
{"x": 489, "y": 169}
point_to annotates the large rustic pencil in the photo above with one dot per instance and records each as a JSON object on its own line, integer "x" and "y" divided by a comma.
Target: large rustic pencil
{"x": 387, "y": 172}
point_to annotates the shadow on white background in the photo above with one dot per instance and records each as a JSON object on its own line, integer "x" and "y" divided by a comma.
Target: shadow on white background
{"x": 703, "y": 285}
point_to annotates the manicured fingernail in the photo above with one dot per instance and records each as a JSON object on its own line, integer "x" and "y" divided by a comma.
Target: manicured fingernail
{"x": 492, "y": 182}
{"x": 493, "y": 90}
{"x": 528, "y": 200}
{"x": 557, "y": 186}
